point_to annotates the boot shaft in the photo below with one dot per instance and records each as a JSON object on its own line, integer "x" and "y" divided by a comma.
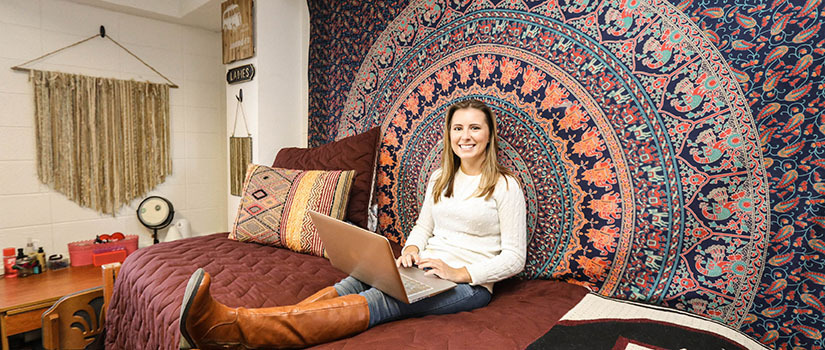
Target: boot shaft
{"x": 212, "y": 325}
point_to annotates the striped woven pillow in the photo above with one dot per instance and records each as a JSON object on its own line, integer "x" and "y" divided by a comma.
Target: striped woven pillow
{"x": 273, "y": 209}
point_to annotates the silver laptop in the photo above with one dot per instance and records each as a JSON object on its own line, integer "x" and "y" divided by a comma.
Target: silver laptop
{"x": 368, "y": 257}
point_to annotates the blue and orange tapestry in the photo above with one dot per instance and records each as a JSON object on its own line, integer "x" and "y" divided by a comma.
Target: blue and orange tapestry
{"x": 672, "y": 153}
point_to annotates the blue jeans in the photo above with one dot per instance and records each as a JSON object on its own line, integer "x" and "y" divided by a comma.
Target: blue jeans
{"x": 384, "y": 308}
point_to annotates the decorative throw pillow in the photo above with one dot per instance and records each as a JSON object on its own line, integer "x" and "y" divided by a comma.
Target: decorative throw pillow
{"x": 273, "y": 209}
{"x": 356, "y": 152}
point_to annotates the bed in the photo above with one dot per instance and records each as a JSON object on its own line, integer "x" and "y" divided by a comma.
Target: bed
{"x": 144, "y": 309}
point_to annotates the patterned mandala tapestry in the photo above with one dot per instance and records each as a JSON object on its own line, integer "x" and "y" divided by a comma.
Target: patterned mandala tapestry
{"x": 671, "y": 152}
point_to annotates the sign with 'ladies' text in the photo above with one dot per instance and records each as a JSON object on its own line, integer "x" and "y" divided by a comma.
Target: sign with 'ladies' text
{"x": 240, "y": 74}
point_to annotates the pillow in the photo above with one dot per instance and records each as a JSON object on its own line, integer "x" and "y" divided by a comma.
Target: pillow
{"x": 356, "y": 152}
{"x": 273, "y": 209}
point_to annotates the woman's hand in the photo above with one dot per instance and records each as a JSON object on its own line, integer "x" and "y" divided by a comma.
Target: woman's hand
{"x": 408, "y": 258}
{"x": 439, "y": 268}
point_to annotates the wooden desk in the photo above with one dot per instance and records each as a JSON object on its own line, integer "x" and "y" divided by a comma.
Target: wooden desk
{"x": 23, "y": 300}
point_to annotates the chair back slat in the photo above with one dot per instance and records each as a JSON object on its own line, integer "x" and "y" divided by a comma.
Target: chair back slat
{"x": 74, "y": 321}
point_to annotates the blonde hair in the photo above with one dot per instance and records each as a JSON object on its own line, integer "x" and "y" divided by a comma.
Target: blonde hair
{"x": 450, "y": 162}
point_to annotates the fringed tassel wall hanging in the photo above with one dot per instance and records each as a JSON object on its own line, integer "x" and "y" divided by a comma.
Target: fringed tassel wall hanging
{"x": 240, "y": 151}
{"x": 101, "y": 142}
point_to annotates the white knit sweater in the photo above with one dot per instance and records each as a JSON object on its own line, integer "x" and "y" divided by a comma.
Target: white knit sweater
{"x": 488, "y": 237}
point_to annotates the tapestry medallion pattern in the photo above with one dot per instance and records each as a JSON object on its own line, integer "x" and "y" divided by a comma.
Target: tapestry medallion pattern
{"x": 671, "y": 152}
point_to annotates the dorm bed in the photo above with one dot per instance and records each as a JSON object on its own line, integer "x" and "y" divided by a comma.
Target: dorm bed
{"x": 145, "y": 306}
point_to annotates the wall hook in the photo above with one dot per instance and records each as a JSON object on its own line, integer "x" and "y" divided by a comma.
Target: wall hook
{"x": 102, "y": 31}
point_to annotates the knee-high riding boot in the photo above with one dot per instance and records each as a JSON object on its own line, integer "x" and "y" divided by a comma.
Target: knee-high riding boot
{"x": 208, "y": 324}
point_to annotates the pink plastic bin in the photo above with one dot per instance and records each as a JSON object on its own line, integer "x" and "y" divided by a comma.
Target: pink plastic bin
{"x": 81, "y": 252}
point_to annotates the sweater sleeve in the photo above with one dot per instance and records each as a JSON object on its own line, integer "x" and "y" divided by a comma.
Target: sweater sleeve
{"x": 512, "y": 217}
{"x": 423, "y": 229}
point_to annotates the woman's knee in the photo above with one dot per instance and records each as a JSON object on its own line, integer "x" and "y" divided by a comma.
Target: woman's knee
{"x": 477, "y": 296}
{"x": 462, "y": 298}
{"x": 350, "y": 285}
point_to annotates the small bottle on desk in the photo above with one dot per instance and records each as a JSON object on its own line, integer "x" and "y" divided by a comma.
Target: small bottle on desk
{"x": 29, "y": 251}
{"x": 8, "y": 263}
{"x": 41, "y": 259}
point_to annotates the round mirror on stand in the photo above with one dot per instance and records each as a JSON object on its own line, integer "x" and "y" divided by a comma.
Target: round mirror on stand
{"x": 155, "y": 213}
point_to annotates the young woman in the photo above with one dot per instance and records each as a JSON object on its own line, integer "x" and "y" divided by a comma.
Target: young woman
{"x": 471, "y": 230}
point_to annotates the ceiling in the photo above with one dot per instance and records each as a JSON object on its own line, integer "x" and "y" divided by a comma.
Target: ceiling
{"x": 199, "y": 13}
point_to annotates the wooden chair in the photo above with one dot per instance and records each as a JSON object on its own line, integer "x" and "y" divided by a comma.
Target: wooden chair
{"x": 76, "y": 320}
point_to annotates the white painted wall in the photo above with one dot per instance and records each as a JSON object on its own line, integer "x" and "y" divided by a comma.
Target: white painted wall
{"x": 276, "y": 101}
{"x": 189, "y": 56}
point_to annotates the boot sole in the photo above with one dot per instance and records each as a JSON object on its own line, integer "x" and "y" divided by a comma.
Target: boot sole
{"x": 186, "y": 341}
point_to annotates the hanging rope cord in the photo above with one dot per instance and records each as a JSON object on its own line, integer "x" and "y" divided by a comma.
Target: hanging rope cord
{"x": 20, "y": 68}
{"x": 243, "y": 115}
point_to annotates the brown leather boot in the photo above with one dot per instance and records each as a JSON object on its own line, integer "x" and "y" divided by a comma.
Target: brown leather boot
{"x": 208, "y": 324}
{"x": 323, "y": 294}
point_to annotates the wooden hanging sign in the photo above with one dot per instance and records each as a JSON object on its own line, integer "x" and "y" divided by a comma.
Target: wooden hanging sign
{"x": 237, "y": 29}
{"x": 240, "y": 74}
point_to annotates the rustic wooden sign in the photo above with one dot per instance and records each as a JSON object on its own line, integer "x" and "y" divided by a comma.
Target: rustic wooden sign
{"x": 238, "y": 39}
{"x": 240, "y": 74}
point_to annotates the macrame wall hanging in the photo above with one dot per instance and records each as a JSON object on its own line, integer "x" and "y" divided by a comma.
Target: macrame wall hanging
{"x": 240, "y": 151}
{"x": 101, "y": 142}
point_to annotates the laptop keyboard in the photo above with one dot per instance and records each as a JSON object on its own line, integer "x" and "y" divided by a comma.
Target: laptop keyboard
{"x": 412, "y": 286}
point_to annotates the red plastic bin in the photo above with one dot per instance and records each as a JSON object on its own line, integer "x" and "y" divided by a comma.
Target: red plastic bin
{"x": 81, "y": 252}
{"x": 100, "y": 259}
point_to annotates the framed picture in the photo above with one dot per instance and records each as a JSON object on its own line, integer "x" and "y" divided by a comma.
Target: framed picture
{"x": 237, "y": 32}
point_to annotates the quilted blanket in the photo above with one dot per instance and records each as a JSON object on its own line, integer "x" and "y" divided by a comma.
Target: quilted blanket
{"x": 145, "y": 306}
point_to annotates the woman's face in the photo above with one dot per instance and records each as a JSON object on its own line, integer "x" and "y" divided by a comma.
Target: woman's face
{"x": 469, "y": 135}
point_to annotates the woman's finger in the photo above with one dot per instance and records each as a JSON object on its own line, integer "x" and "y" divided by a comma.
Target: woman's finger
{"x": 433, "y": 272}
{"x": 425, "y": 263}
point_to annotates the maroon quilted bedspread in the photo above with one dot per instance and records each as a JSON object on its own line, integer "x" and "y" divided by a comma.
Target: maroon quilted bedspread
{"x": 145, "y": 306}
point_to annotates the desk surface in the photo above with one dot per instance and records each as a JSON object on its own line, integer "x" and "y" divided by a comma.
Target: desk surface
{"x": 47, "y": 287}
